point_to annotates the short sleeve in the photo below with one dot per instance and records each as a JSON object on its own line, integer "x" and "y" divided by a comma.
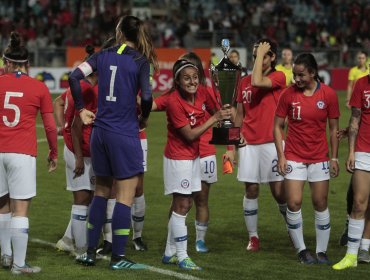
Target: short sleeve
{"x": 356, "y": 97}
{"x": 283, "y": 105}
{"x": 162, "y": 100}
{"x": 176, "y": 114}
{"x": 333, "y": 106}
{"x": 278, "y": 79}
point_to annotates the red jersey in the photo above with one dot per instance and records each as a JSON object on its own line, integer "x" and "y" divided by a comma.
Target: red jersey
{"x": 259, "y": 107}
{"x": 180, "y": 113}
{"x": 361, "y": 99}
{"x": 21, "y": 97}
{"x": 90, "y": 98}
{"x": 205, "y": 149}
{"x": 307, "y": 118}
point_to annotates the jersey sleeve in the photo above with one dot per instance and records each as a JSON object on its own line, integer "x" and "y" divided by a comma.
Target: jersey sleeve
{"x": 176, "y": 114}
{"x": 351, "y": 74}
{"x": 333, "y": 108}
{"x": 356, "y": 97}
{"x": 278, "y": 79}
{"x": 162, "y": 100}
{"x": 283, "y": 105}
{"x": 46, "y": 103}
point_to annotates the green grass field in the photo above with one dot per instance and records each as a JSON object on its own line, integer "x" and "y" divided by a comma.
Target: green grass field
{"x": 226, "y": 238}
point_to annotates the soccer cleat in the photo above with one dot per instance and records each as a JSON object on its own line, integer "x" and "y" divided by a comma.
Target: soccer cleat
{"x": 125, "y": 263}
{"x": 349, "y": 260}
{"x": 344, "y": 237}
{"x": 170, "y": 259}
{"x": 188, "y": 264}
{"x": 87, "y": 259}
{"x": 322, "y": 258}
{"x": 305, "y": 257}
{"x": 201, "y": 247}
{"x": 6, "y": 261}
{"x": 139, "y": 245}
{"x": 363, "y": 256}
{"x": 104, "y": 252}
{"x": 254, "y": 244}
{"x": 26, "y": 269}
{"x": 64, "y": 245}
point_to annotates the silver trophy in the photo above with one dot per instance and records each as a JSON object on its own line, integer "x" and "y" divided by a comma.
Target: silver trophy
{"x": 225, "y": 79}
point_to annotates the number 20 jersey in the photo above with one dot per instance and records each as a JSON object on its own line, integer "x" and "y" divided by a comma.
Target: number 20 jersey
{"x": 21, "y": 97}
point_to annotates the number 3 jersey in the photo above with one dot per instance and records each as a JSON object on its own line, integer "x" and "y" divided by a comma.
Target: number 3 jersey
{"x": 361, "y": 99}
{"x": 259, "y": 107}
{"x": 307, "y": 118}
{"x": 21, "y": 97}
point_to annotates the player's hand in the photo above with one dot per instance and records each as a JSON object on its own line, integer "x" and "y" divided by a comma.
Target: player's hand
{"x": 60, "y": 131}
{"x": 342, "y": 133}
{"x": 79, "y": 167}
{"x": 282, "y": 166}
{"x": 87, "y": 116}
{"x": 242, "y": 141}
{"x": 350, "y": 164}
{"x": 223, "y": 114}
{"x": 230, "y": 156}
{"x": 52, "y": 164}
{"x": 263, "y": 48}
{"x": 334, "y": 168}
{"x": 347, "y": 104}
{"x": 143, "y": 123}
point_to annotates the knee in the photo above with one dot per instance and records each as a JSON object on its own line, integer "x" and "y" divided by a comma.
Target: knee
{"x": 251, "y": 192}
{"x": 320, "y": 205}
{"x": 294, "y": 206}
{"x": 359, "y": 207}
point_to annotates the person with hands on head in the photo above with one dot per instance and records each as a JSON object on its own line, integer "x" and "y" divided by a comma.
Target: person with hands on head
{"x": 21, "y": 98}
{"x": 358, "y": 164}
{"x": 116, "y": 152}
{"x": 308, "y": 105}
{"x": 257, "y": 98}
{"x": 181, "y": 164}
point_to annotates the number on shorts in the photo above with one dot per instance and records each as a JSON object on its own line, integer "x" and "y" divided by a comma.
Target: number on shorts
{"x": 110, "y": 97}
{"x": 274, "y": 168}
{"x": 210, "y": 167}
{"x": 10, "y": 106}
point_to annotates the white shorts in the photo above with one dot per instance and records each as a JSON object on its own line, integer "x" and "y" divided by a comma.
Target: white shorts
{"x": 84, "y": 182}
{"x": 144, "y": 146}
{"x": 362, "y": 161}
{"x": 258, "y": 164}
{"x": 17, "y": 175}
{"x": 208, "y": 169}
{"x": 312, "y": 172}
{"x": 181, "y": 176}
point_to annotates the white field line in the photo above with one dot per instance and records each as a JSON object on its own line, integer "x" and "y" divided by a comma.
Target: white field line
{"x": 42, "y": 140}
{"x": 151, "y": 268}
{"x": 38, "y": 125}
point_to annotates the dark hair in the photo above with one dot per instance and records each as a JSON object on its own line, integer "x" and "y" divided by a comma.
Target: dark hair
{"x": 179, "y": 65}
{"x": 16, "y": 52}
{"x": 193, "y": 58}
{"x": 134, "y": 30}
{"x": 363, "y": 52}
{"x": 309, "y": 61}
{"x": 273, "y": 49}
{"x": 90, "y": 50}
{"x": 235, "y": 51}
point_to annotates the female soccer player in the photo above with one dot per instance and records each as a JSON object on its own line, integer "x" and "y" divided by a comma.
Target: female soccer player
{"x": 115, "y": 145}
{"x": 79, "y": 173}
{"x": 358, "y": 163}
{"x": 207, "y": 154}
{"x": 308, "y": 105}
{"x": 257, "y": 99}
{"x": 186, "y": 123}
{"x": 21, "y": 97}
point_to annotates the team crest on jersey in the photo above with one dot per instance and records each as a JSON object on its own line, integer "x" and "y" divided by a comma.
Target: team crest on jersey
{"x": 185, "y": 183}
{"x": 320, "y": 104}
{"x": 289, "y": 169}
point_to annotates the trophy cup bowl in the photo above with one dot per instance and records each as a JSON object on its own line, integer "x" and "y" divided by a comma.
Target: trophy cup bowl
{"x": 225, "y": 80}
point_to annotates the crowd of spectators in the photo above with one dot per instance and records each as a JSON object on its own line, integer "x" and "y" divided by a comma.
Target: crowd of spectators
{"x": 301, "y": 24}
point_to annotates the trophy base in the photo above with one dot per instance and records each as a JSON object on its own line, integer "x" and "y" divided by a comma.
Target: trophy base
{"x": 225, "y": 136}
